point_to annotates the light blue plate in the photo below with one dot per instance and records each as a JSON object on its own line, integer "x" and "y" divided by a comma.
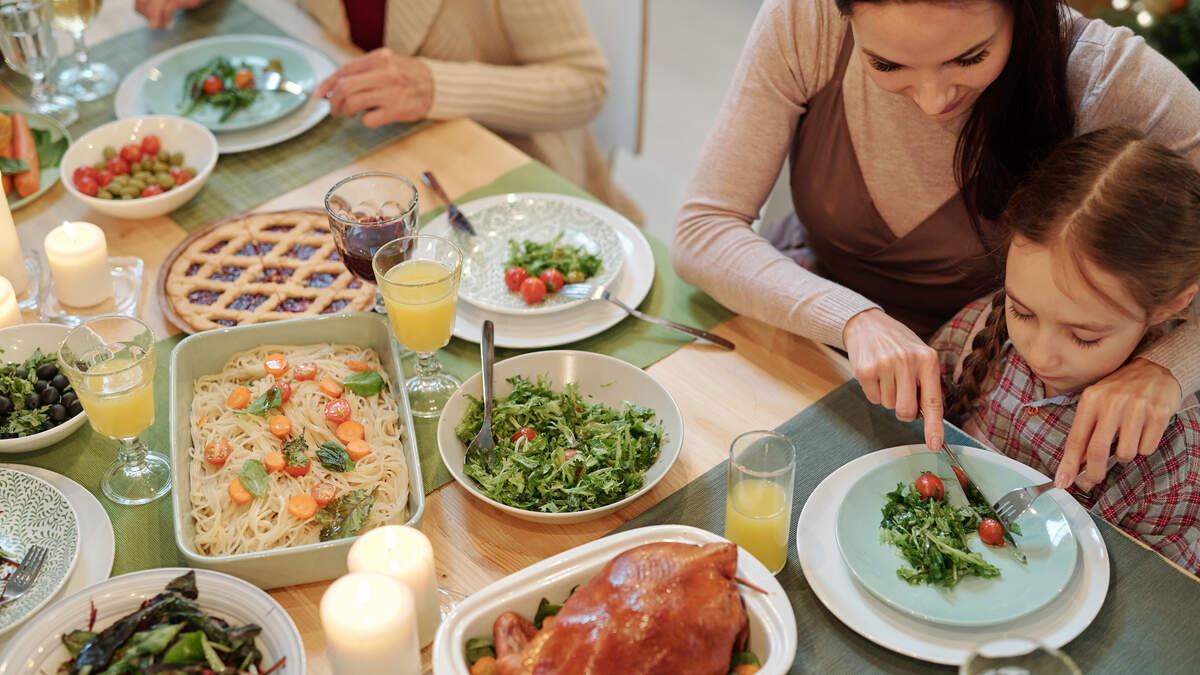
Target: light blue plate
{"x": 164, "y": 95}
{"x": 1047, "y": 542}
{"x": 47, "y": 176}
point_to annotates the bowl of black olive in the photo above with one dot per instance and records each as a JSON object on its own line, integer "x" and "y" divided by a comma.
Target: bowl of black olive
{"x": 38, "y": 407}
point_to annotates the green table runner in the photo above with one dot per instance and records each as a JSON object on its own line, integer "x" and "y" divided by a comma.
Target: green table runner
{"x": 1134, "y": 632}
{"x": 244, "y": 180}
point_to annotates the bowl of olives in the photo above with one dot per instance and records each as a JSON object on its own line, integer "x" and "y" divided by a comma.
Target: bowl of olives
{"x": 37, "y": 405}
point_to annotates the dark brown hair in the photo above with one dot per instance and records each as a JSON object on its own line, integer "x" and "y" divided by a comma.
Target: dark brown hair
{"x": 1126, "y": 204}
{"x": 1024, "y": 113}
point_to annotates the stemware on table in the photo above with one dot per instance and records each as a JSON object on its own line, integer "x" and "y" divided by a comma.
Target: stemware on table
{"x": 84, "y": 79}
{"x": 27, "y": 41}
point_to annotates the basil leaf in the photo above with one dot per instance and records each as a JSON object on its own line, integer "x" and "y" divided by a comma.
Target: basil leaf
{"x": 49, "y": 151}
{"x": 271, "y": 398}
{"x": 345, "y": 514}
{"x": 334, "y": 457}
{"x": 295, "y": 451}
{"x": 364, "y": 383}
{"x": 254, "y": 477}
{"x": 9, "y": 166}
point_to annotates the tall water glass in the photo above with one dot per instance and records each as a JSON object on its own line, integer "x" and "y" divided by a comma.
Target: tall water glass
{"x": 366, "y": 211}
{"x": 758, "y": 496}
{"x": 27, "y": 41}
{"x": 1017, "y": 656}
{"x": 85, "y": 80}
{"x": 110, "y": 363}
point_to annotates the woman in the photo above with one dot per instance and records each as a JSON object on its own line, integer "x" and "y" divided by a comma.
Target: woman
{"x": 886, "y": 109}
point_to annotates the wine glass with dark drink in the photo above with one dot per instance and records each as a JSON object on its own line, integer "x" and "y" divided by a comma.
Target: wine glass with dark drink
{"x": 366, "y": 211}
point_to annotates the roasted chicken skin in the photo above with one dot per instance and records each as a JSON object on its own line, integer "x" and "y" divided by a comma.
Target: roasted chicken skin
{"x": 664, "y": 608}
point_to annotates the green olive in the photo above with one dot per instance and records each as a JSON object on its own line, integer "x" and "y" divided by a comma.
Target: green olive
{"x": 137, "y": 184}
{"x": 109, "y": 152}
{"x": 104, "y": 194}
{"x": 135, "y": 167}
{"x": 100, "y": 166}
{"x": 191, "y": 170}
{"x": 129, "y": 193}
{"x": 177, "y": 159}
{"x": 165, "y": 181}
{"x": 163, "y": 156}
{"x": 161, "y": 167}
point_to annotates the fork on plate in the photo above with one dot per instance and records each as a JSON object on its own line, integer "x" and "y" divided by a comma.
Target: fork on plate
{"x": 1015, "y": 502}
{"x": 25, "y": 575}
{"x": 270, "y": 80}
{"x": 600, "y": 292}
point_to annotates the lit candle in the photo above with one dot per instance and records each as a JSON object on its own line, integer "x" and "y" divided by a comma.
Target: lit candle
{"x": 370, "y": 626}
{"x": 78, "y": 258}
{"x": 12, "y": 263}
{"x": 10, "y": 314}
{"x": 404, "y": 554}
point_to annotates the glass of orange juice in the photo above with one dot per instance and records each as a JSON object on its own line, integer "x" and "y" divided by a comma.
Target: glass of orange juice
{"x": 418, "y": 277}
{"x": 110, "y": 363}
{"x": 758, "y": 497}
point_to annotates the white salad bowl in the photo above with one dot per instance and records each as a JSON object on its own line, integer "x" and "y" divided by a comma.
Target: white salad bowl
{"x": 604, "y": 379}
{"x": 18, "y": 343}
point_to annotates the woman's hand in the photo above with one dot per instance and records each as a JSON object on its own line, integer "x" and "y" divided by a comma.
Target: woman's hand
{"x": 896, "y": 368}
{"x": 159, "y": 12}
{"x": 390, "y": 87}
{"x": 1133, "y": 405}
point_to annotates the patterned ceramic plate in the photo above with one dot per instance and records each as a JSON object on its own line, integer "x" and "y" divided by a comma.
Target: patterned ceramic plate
{"x": 537, "y": 218}
{"x": 35, "y": 512}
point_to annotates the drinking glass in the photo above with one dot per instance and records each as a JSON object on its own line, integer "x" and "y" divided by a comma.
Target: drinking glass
{"x": 366, "y": 211}
{"x": 109, "y": 361}
{"x": 85, "y": 80}
{"x": 758, "y": 496}
{"x": 418, "y": 277}
{"x": 27, "y": 41}
{"x": 1017, "y": 656}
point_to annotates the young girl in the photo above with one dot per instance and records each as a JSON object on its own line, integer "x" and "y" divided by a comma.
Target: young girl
{"x": 1104, "y": 255}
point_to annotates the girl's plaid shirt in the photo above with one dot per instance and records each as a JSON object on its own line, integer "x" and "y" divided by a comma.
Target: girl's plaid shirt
{"x": 1155, "y": 498}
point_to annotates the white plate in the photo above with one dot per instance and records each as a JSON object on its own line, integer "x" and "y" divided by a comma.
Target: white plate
{"x": 18, "y": 343}
{"x": 772, "y": 622}
{"x": 604, "y": 379}
{"x": 128, "y": 99}
{"x": 97, "y": 545}
{"x": 832, "y": 582}
{"x": 38, "y": 649}
{"x": 579, "y": 321}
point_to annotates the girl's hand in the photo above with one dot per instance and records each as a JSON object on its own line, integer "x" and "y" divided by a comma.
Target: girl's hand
{"x": 1133, "y": 405}
{"x": 389, "y": 87}
{"x": 160, "y": 12}
{"x": 892, "y": 364}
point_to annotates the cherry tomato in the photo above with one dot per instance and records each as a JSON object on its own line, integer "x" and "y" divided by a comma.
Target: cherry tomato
{"x": 88, "y": 186}
{"x": 213, "y": 85}
{"x": 131, "y": 153}
{"x": 280, "y": 426}
{"x": 337, "y": 410}
{"x": 513, "y": 277}
{"x": 962, "y": 478}
{"x": 243, "y": 79}
{"x": 553, "y": 279}
{"x": 323, "y": 492}
{"x": 533, "y": 290}
{"x": 216, "y": 453}
{"x": 276, "y": 364}
{"x": 298, "y": 471}
{"x": 929, "y": 485}
{"x": 118, "y": 166}
{"x": 991, "y": 532}
{"x": 180, "y": 176}
{"x": 104, "y": 177}
{"x": 151, "y": 190}
{"x": 82, "y": 171}
{"x": 305, "y": 371}
{"x": 528, "y": 433}
{"x": 151, "y": 145}
{"x": 568, "y": 454}
{"x": 285, "y": 390}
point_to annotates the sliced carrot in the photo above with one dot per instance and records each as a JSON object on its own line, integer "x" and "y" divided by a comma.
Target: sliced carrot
{"x": 484, "y": 665}
{"x": 274, "y": 461}
{"x": 330, "y": 387}
{"x": 200, "y": 422}
{"x": 302, "y": 506}
{"x": 357, "y": 449}
{"x": 23, "y": 148}
{"x": 357, "y": 366}
{"x": 281, "y": 426}
{"x": 239, "y": 398}
{"x": 238, "y": 492}
{"x": 350, "y": 431}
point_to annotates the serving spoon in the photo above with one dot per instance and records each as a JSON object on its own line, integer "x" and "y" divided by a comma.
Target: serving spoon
{"x": 483, "y": 440}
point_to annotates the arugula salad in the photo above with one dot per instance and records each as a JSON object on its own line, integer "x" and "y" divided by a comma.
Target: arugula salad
{"x": 556, "y": 452}
{"x": 223, "y": 84}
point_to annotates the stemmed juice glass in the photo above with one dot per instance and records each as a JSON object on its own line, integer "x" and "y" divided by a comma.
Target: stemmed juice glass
{"x": 418, "y": 277}
{"x": 758, "y": 498}
{"x": 110, "y": 363}
{"x": 366, "y": 211}
{"x": 85, "y": 80}
{"x": 27, "y": 41}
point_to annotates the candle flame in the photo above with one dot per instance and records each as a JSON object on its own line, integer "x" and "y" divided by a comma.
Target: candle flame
{"x": 69, "y": 227}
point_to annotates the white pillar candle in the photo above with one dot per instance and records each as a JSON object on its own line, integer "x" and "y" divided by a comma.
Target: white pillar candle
{"x": 12, "y": 262}
{"x": 78, "y": 256}
{"x": 405, "y": 554}
{"x": 10, "y": 314}
{"x": 370, "y": 626}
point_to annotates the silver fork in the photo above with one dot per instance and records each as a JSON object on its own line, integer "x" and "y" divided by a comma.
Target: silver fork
{"x": 26, "y": 573}
{"x": 1014, "y": 503}
{"x": 483, "y": 440}
{"x": 599, "y": 292}
{"x": 270, "y": 80}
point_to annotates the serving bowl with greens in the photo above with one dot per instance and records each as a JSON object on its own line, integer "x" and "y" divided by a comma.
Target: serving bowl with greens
{"x": 578, "y": 435}
{"x": 30, "y": 425}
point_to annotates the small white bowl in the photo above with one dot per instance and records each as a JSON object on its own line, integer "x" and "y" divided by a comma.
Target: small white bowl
{"x": 198, "y": 145}
{"x": 18, "y": 343}
{"x": 605, "y": 379}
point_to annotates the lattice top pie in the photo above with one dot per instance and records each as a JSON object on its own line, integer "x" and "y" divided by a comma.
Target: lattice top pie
{"x": 263, "y": 267}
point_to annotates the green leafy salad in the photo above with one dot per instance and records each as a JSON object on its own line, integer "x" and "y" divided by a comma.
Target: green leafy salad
{"x": 556, "y": 452}
{"x": 222, "y": 84}
{"x": 574, "y": 262}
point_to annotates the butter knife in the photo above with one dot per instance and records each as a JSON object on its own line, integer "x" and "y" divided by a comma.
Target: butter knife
{"x": 457, "y": 220}
{"x": 976, "y": 497}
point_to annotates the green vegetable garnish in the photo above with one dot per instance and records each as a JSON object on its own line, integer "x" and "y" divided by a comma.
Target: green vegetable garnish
{"x": 254, "y": 477}
{"x": 10, "y": 166}
{"x": 49, "y": 151}
{"x": 545, "y": 609}
{"x": 294, "y": 451}
{"x": 931, "y": 536}
{"x": 230, "y": 99}
{"x": 271, "y": 398}
{"x": 334, "y": 457}
{"x": 345, "y": 514}
{"x": 744, "y": 659}
{"x": 364, "y": 383}
{"x": 477, "y": 648}
{"x": 536, "y": 258}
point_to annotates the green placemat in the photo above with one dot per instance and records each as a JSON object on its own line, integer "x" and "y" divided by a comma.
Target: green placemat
{"x": 243, "y": 180}
{"x": 1132, "y": 633}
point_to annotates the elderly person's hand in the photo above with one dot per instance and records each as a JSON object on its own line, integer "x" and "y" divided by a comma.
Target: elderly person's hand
{"x": 160, "y": 12}
{"x": 896, "y": 368}
{"x": 389, "y": 87}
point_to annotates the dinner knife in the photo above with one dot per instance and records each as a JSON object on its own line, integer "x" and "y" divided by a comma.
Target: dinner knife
{"x": 457, "y": 220}
{"x": 976, "y": 497}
